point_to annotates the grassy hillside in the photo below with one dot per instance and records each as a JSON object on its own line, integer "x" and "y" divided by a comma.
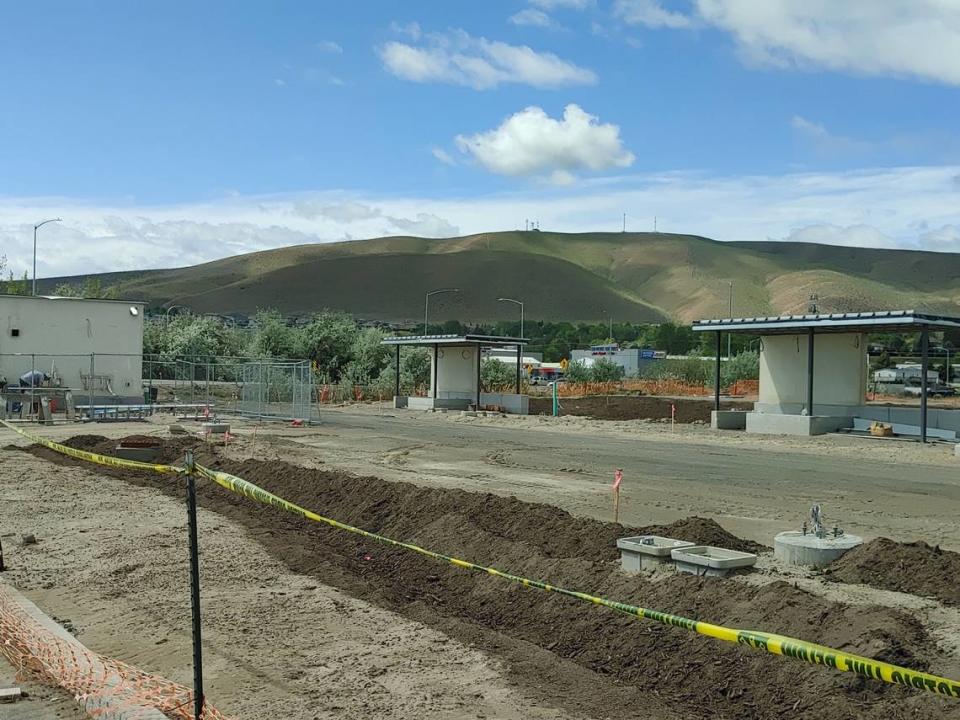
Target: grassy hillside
{"x": 633, "y": 276}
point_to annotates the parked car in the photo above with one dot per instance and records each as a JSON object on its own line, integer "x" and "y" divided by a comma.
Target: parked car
{"x": 934, "y": 389}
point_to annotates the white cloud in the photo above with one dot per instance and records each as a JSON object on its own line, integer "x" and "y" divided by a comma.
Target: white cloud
{"x": 566, "y": 4}
{"x": 460, "y": 59}
{"x": 909, "y": 207}
{"x": 443, "y": 156}
{"x": 919, "y": 38}
{"x": 532, "y": 17}
{"x": 944, "y": 239}
{"x": 850, "y": 236}
{"x": 329, "y": 46}
{"x": 650, "y": 13}
{"x": 411, "y": 29}
{"x": 532, "y": 143}
{"x": 426, "y": 225}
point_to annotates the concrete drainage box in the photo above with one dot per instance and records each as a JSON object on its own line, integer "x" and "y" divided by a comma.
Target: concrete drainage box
{"x": 141, "y": 450}
{"x": 644, "y": 552}
{"x": 709, "y": 560}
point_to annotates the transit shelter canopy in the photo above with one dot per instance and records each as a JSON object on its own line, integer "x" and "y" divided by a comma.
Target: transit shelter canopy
{"x": 488, "y": 340}
{"x": 883, "y": 321}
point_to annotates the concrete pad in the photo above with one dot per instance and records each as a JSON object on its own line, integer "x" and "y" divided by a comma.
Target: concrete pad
{"x": 728, "y": 419}
{"x": 806, "y": 425}
{"x": 806, "y": 549}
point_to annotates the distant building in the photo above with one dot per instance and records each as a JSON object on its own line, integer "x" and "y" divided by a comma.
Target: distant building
{"x": 630, "y": 359}
{"x": 903, "y": 373}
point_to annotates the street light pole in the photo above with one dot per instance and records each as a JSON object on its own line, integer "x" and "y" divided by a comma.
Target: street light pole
{"x": 515, "y": 302}
{"x": 36, "y": 227}
{"x": 730, "y": 335}
{"x": 426, "y": 303}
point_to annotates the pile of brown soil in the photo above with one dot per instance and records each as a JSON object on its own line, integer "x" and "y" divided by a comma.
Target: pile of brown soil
{"x": 915, "y": 568}
{"x": 635, "y": 407}
{"x": 172, "y": 450}
{"x": 588, "y": 660}
{"x": 703, "y": 531}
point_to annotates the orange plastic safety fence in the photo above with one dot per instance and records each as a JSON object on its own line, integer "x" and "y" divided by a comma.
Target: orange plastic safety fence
{"x": 104, "y": 687}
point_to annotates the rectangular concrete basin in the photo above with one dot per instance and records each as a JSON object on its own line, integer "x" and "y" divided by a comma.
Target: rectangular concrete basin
{"x": 647, "y": 551}
{"x": 710, "y": 560}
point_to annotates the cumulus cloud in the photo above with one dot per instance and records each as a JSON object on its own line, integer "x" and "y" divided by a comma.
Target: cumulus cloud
{"x": 650, "y": 13}
{"x": 531, "y": 143}
{"x": 460, "y": 59}
{"x": 909, "y": 207}
{"x": 916, "y": 38}
{"x": 533, "y": 17}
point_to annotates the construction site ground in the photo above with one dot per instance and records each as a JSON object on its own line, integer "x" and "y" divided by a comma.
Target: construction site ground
{"x": 303, "y": 622}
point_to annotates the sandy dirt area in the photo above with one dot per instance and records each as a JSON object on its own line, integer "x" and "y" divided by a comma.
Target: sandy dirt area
{"x": 111, "y": 562}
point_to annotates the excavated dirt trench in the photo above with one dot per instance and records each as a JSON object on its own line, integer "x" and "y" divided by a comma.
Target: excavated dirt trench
{"x": 573, "y": 655}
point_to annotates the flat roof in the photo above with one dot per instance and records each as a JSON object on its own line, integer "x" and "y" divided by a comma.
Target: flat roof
{"x": 892, "y": 320}
{"x": 5, "y": 296}
{"x": 489, "y": 340}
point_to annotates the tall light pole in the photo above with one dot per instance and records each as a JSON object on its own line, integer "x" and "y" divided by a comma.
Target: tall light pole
{"x": 35, "y": 228}
{"x": 729, "y": 335}
{"x": 515, "y": 302}
{"x": 426, "y": 303}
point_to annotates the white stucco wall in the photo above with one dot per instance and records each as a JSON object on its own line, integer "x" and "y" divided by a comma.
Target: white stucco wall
{"x": 839, "y": 366}
{"x": 456, "y": 371}
{"x": 54, "y": 329}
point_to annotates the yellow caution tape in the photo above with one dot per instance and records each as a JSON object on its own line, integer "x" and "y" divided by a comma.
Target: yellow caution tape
{"x": 771, "y": 643}
{"x": 775, "y": 644}
{"x": 94, "y": 457}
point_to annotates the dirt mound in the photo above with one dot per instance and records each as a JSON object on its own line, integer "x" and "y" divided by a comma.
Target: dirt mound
{"x": 703, "y": 531}
{"x": 171, "y": 449}
{"x": 571, "y": 654}
{"x": 915, "y": 568}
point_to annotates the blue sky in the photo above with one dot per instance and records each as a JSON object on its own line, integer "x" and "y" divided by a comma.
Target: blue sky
{"x": 175, "y": 132}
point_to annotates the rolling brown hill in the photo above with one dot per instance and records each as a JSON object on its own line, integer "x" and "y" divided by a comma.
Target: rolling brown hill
{"x": 641, "y": 277}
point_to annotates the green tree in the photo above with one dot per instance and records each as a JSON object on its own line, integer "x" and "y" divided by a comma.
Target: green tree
{"x": 67, "y": 290}
{"x": 604, "y": 370}
{"x": 369, "y": 353}
{"x": 496, "y": 375}
{"x": 272, "y": 338}
{"x": 745, "y": 366}
{"x": 415, "y": 368}
{"x": 577, "y": 372}
{"x": 329, "y": 341}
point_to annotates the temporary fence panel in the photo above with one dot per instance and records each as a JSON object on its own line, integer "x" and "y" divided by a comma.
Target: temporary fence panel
{"x": 276, "y": 389}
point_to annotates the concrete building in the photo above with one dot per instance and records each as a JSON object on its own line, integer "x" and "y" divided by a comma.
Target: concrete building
{"x": 813, "y": 374}
{"x": 455, "y": 373}
{"x": 66, "y": 337}
{"x": 630, "y": 359}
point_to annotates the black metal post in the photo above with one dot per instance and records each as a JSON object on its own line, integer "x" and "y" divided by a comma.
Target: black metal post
{"x": 396, "y": 391}
{"x": 478, "y": 376}
{"x": 716, "y": 376}
{"x": 810, "y": 371}
{"x": 435, "y": 358}
{"x": 2, "y": 566}
{"x": 519, "y": 363}
{"x": 924, "y": 364}
{"x": 198, "y": 699}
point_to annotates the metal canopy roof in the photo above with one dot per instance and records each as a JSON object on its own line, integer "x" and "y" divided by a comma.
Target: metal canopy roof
{"x": 891, "y": 320}
{"x": 489, "y": 340}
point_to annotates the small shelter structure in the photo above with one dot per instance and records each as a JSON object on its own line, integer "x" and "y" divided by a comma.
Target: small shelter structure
{"x": 455, "y": 373}
{"x": 813, "y": 374}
